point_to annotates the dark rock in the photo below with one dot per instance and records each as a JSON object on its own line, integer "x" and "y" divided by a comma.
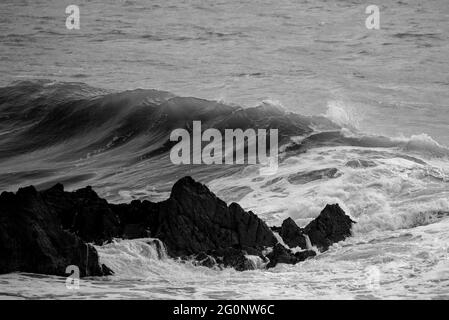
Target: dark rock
{"x": 281, "y": 254}
{"x": 331, "y": 226}
{"x": 292, "y": 235}
{"x": 205, "y": 260}
{"x": 252, "y": 251}
{"x": 235, "y": 258}
{"x": 83, "y": 213}
{"x": 106, "y": 270}
{"x": 45, "y": 231}
{"x": 194, "y": 220}
{"x": 305, "y": 254}
{"x": 32, "y": 239}
{"x": 137, "y": 219}
{"x": 134, "y": 231}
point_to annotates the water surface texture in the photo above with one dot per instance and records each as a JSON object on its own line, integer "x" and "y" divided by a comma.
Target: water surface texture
{"x": 90, "y": 106}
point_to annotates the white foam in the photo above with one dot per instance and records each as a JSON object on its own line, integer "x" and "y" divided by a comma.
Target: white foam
{"x": 395, "y": 192}
{"x": 133, "y": 258}
{"x": 256, "y": 261}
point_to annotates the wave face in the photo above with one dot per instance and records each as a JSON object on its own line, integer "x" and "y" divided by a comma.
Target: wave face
{"x": 77, "y": 134}
{"x": 396, "y": 188}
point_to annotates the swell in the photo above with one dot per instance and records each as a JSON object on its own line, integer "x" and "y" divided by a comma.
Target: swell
{"x": 72, "y": 133}
{"x": 42, "y": 114}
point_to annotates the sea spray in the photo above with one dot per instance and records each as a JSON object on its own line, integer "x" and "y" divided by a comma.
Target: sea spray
{"x": 255, "y": 261}
{"x": 133, "y": 258}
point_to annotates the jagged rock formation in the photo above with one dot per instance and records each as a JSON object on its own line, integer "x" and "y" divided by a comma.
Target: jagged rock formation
{"x": 292, "y": 235}
{"x": 331, "y": 226}
{"x": 32, "y": 240}
{"x": 83, "y": 213}
{"x": 193, "y": 220}
{"x": 44, "y": 232}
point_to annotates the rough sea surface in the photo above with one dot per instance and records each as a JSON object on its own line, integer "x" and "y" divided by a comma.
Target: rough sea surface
{"x": 76, "y": 107}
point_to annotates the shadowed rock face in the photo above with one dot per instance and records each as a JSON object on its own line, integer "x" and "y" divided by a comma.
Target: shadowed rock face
{"x": 32, "y": 240}
{"x": 83, "y": 213}
{"x": 281, "y": 254}
{"x": 331, "y": 226}
{"x": 193, "y": 220}
{"x": 292, "y": 235}
{"x": 44, "y": 232}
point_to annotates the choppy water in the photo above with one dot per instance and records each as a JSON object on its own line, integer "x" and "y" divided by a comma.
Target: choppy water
{"x": 384, "y": 157}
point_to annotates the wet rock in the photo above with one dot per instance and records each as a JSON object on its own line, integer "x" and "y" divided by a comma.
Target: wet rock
{"x": 137, "y": 219}
{"x": 44, "y": 232}
{"x": 135, "y": 231}
{"x": 234, "y": 258}
{"x": 331, "y": 226}
{"x": 33, "y": 240}
{"x": 106, "y": 270}
{"x": 281, "y": 254}
{"x": 292, "y": 235}
{"x": 305, "y": 254}
{"x": 84, "y": 213}
{"x": 194, "y": 220}
{"x": 205, "y": 260}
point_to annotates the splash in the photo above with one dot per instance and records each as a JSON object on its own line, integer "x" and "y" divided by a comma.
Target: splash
{"x": 134, "y": 258}
{"x": 343, "y": 114}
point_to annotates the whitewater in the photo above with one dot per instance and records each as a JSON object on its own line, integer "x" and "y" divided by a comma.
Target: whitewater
{"x": 362, "y": 118}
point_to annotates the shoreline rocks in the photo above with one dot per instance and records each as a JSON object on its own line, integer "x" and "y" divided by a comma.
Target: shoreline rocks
{"x": 32, "y": 240}
{"x": 194, "y": 220}
{"x": 44, "y": 232}
{"x": 292, "y": 235}
{"x": 331, "y": 226}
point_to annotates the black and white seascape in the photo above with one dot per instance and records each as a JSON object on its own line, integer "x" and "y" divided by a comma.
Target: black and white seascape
{"x": 109, "y": 188}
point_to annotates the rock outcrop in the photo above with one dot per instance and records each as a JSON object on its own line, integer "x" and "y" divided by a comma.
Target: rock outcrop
{"x": 292, "y": 235}
{"x": 32, "y": 239}
{"x": 84, "y": 213}
{"x": 194, "y": 220}
{"x": 46, "y": 231}
{"x": 332, "y": 225}
{"x": 281, "y": 254}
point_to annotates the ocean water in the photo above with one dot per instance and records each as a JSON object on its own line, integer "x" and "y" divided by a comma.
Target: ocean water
{"x": 92, "y": 107}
